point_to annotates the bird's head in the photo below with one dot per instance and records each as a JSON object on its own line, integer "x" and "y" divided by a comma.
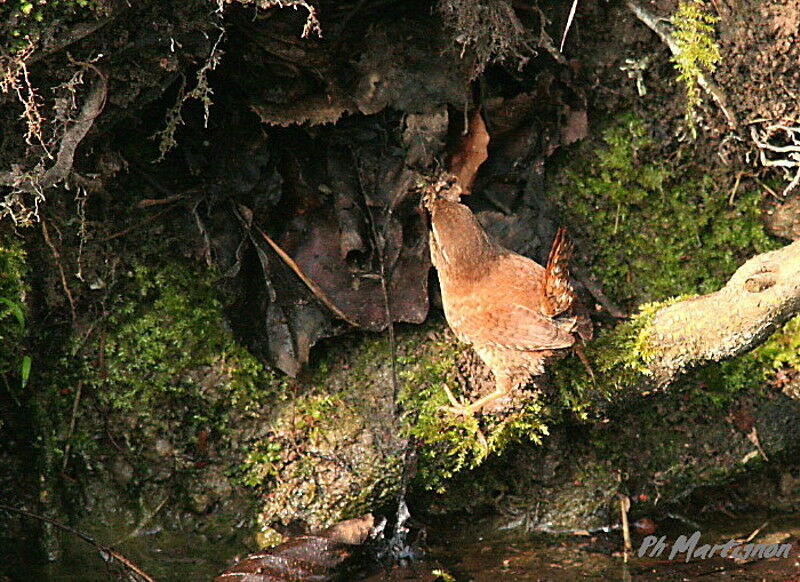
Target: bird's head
{"x": 445, "y": 188}
{"x": 459, "y": 244}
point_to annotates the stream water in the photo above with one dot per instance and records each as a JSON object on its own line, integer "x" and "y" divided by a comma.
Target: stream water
{"x": 466, "y": 551}
{"x": 533, "y": 557}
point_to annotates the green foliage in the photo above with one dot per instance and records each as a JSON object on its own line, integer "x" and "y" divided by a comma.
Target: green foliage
{"x": 14, "y": 363}
{"x": 25, "y": 20}
{"x": 165, "y": 353}
{"x": 783, "y": 348}
{"x": 654, "y": 229}
{"x": 447, "y": 443}
{"x": 698, "y": 52}
{"x": 263, "y": 463}
{"x": 442, "y": 575}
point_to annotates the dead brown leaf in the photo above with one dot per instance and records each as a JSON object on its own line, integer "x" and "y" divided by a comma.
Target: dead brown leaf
{"x": 303, "y": 558}
{"x": 470, "y": 151}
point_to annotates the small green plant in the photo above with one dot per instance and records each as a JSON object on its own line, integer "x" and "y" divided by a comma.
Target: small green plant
{"x": 443, "y": 575}
{"x": 783, "y": 348}
{"x": 698, "y": 52}
{"x": 163, "y": 339}
{"x": 263, "y": 464}
{"x": 13, "y": 321}
{"x": 15, "y": 309}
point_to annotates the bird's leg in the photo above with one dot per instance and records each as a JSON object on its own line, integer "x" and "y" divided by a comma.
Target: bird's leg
{"x": 503, "y": 386}
{"x": 581, "y": 353}
{"x": 456, "y": 405}
{"x": 458, "y": 408}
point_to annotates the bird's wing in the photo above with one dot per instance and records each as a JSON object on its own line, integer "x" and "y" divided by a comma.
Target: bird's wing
{"x": 508, "y": 313}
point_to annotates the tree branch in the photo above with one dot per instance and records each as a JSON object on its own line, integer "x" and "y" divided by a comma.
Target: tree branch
{"x": 760, "y": 296}
{"x": 74, "y": 135}
{"x": 92, "y": 107}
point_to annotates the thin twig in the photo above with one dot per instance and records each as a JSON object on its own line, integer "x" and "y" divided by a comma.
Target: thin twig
{"x": 139, "y": 224}
{"x": 757, "y": 531}
{"x": 72, "y": 422}
{"x": 147, "y": 202}
{"x": 61, "y": 272}
{"x": 735, "y": 188}
{"x": 769, "y": 190}
{"x": 311, "y": 284}
{"x": 570, "y": 18}
{"x": 624, "y": 506}
{"x": 380, "y": 247}
{"x": 103, "y": 549}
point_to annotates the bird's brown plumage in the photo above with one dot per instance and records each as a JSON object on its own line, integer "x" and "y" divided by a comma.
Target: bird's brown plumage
{"x": 514, "y": 312}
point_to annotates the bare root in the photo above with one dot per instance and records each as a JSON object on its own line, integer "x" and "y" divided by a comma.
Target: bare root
{"x": 778, "y": 146}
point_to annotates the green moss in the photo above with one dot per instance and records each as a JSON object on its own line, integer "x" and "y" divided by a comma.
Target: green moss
{"x": 446, "y": 443}
{"x": 698, "y": 52}
{"x": 320, "y": 462}
{"x": 628, "y": 346}
{"x": 165, "y": 353}
{"x": 619, "y": 357}
{"x": 13, "y": 312}
{"x": 783, "y": 348}
{"x": 25, "y": 21}
{"x": 351, "y": 389}
{"x": 331, "y": 450}
{"x": 654, "y": 229}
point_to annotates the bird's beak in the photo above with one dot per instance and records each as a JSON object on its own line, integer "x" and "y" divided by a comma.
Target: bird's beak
{"x": 446, "y": 188}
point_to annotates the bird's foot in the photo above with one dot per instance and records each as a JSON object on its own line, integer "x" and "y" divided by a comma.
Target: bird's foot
{"x": 581, "y": 353}
{"x": 457, "y": 408}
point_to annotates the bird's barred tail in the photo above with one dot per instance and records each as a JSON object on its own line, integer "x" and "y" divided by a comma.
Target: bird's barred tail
{"x": 558, "y": 292}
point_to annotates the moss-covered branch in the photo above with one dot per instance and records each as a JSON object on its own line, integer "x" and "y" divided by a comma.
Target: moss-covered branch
{"x": 667, "y": 339}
